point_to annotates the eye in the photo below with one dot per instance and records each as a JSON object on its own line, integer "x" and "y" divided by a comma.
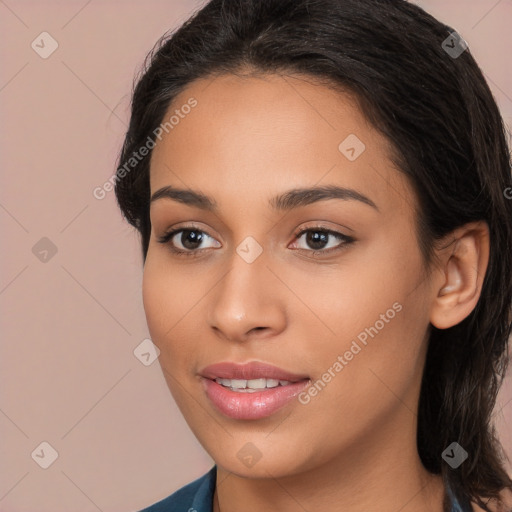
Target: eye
{"x": 322, "y": 240}
{"x": 186, "y": 240}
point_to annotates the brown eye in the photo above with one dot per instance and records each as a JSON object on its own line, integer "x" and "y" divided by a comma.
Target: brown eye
{"x": 322, "y": 240}
{"x": 186, "y": 240}
{"x": 190, "y": 239}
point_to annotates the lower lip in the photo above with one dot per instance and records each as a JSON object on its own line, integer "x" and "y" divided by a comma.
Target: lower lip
{"x": 251, "y": 406}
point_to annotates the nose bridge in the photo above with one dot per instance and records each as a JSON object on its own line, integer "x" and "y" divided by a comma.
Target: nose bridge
{"x": 246, "y": 296}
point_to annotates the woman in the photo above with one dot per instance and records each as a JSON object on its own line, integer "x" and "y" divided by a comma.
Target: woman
{"x": 321, "y": 192}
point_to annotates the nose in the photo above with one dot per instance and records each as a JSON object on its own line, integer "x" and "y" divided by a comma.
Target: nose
{"x": 247, "y": 302}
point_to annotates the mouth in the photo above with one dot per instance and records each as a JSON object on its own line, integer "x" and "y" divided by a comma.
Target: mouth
{"x": 252, "y": 385}
{"x": 250, "y": 391}
{"x": 254, "y": 370}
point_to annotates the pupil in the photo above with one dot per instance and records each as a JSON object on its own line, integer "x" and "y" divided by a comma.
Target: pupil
{"x": 315, "y": 237}
{"x": 189, "y": 237}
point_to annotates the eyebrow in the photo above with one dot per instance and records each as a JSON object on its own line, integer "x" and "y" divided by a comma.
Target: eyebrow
{"x": 294, "y": 198}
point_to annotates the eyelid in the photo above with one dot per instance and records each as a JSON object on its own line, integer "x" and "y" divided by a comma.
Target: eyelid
{"x": 172, "y": 232}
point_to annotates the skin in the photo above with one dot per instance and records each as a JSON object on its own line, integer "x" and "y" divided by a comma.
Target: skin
{"x": 353, "y": 446}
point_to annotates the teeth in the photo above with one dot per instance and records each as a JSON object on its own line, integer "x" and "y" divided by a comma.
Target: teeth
{"x": 238, "y": 383}
{"x": 257, "y": 383}
{"x": 251, "y": 385}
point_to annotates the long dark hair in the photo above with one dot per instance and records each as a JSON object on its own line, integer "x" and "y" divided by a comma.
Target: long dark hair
{"x": 418, "y": 84}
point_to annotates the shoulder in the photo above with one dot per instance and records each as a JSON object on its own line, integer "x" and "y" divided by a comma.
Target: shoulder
{"x": 197, "y": 496}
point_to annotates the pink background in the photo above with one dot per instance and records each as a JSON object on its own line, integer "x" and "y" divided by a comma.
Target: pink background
{"x": 70, "y": 325}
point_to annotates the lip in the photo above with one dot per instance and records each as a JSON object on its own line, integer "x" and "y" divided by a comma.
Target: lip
{"x": 251, "y": 370}
{"x": 250, "y": 406}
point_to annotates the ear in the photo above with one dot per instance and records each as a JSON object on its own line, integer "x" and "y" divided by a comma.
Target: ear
{"x": 459, "y": 280}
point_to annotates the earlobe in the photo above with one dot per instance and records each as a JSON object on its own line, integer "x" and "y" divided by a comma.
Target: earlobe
{"x": 458, "y": 286}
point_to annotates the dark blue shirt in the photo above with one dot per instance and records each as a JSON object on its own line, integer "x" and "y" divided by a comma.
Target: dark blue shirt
{"x": 197, "y": 496}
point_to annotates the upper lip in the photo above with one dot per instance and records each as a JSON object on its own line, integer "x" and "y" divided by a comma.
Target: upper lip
{"x": 248, "y": 371}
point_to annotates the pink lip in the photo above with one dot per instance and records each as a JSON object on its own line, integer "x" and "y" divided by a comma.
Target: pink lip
{"x": 250, "y": 406}
{"x": 251, "y": 370}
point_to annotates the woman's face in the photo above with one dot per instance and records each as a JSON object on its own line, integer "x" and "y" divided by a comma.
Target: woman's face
{"x": 329, "y": 288}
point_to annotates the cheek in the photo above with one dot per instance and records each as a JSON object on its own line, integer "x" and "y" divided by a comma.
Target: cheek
{"x": 341, "y": 300}
{"x": 165, "y": 302}
{"x": 155, "y": 300}
{"x": 174, "y": 301}
{"x": 372, "y": 313}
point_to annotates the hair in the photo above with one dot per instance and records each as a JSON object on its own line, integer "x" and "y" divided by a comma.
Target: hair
{"x": 447, "y": 137}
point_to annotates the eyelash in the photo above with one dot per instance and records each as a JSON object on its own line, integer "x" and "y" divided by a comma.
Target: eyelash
{"x": 345, "y": 239}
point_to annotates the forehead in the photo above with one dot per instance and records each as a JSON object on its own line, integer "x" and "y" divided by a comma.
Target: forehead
{"x": 248, "y": 138}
